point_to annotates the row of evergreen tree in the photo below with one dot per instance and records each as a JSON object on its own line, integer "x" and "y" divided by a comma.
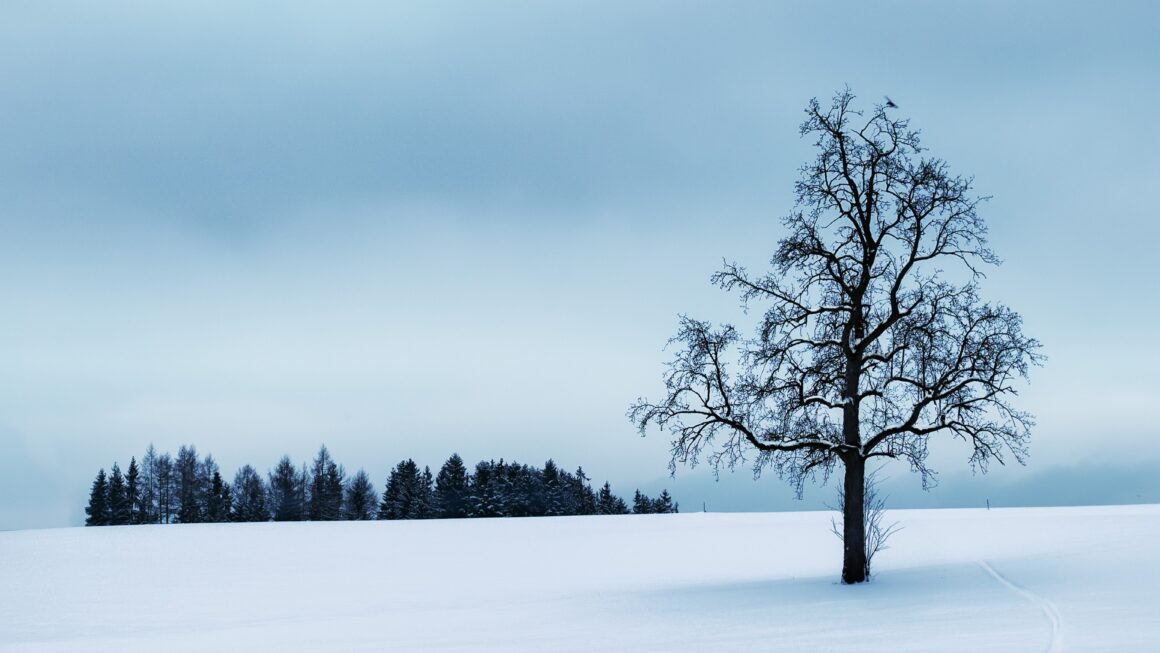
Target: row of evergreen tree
{"x": 190, "y": 489}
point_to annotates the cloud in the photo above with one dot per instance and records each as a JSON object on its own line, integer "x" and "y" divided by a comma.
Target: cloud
{"x": 405, "y": 230}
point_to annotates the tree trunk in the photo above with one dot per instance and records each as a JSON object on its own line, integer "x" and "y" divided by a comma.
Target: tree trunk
{"x": 853, "y": 521}
{"x": 854, "y": 490}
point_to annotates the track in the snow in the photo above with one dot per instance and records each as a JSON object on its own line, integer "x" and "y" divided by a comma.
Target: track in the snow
{"x": 1047, "y": 606}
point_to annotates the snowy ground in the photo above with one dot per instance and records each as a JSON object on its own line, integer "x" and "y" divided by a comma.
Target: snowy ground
{"x": 1037, "y": 579}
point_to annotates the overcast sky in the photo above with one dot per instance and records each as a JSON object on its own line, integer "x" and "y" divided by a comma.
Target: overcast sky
{"x": 407, "y": 229}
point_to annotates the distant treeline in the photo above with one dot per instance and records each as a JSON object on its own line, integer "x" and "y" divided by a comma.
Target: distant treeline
{"x": 190, "y": 489}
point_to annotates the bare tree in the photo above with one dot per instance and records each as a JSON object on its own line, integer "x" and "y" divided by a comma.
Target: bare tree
{"x": 873, "y": 338}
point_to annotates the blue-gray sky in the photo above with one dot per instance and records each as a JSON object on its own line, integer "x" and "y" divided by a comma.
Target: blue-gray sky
{"x": 407, "y": 229}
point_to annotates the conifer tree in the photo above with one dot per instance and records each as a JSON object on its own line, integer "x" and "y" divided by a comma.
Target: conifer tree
{"x": 335, "y": 483}
{"x": 500, "y": 489}
{"x": 608, "y": 503}
{"x": 583, "y": 497}
{"x": 190, "y": 508}
{"x": 285, "y": 491}
{"x": 484, "y": 498}
{"x": 217, "y": 503}
{"x": 326, "y": 488}
{"x": 452, "y": 489}
{"x": 404, "y": 497}
{"x": 118, "y": 501}
{"x": 166, "y": 489}
{"x": 360, "y": 498}
{"x": 641, "y": 504}
{"x": 303, "y": 492}
{"x": 425, "y": 508}
{"x": 98, "y": 508}
{"x": 315, "y": 508}
{"x": 148, "y": 503}
{"x": 132, "y": 491}
{"x": 525, "y": 491}
{"x": 203, "y": 488}
{"x": 249, "y": 497}
{"x": 664, "y": 503}
{"x": 551, "y": 491}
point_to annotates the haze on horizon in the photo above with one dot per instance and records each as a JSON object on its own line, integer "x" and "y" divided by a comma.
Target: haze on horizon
{"x": 409, "y": 230}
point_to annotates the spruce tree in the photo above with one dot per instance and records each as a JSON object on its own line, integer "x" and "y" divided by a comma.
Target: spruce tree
{"x": 552, "y": 500}
{"x": 664, "y": 503}
{"x": 452, "y": 489}
{"x": 317, "y": 485}
{"x": 98, "y": 508}
{"x": 360, "y": 498}
{"x": 525, "y": 491}
{"x": 425, "y": 506}
{"x": 584, "y": 499}
{"x": 485, "y": 498}
{"x": 118, "y": 501}
{"x": 285, "y": 491}
{"x": 132, "y": 491}
{"x": 217, "y": 503}
{"x": 396, "y": 494}
{"x": 608, "y": 503}
{"x": 407, "y": 495}
{"x": 641, "y": 504}
{"x": 335, "y": 484}
{"x": 569, "y": 494}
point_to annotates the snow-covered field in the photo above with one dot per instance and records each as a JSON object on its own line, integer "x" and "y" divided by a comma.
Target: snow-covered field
{"x": 1042, "y": 579}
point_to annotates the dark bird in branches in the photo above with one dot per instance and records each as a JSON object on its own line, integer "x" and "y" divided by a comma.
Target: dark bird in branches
{"x": 890, "y": 103}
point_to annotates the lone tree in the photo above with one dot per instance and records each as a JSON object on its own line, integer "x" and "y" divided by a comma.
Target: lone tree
{"x": 873, "y": 338}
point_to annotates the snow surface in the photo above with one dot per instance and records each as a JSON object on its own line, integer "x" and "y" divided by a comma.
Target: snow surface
{"x": 1027, "y": 579}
